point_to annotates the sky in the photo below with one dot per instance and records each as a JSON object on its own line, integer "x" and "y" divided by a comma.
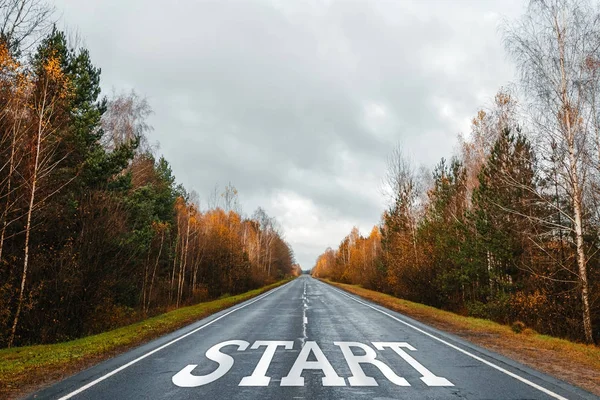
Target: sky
{"x": 298, "y": 104}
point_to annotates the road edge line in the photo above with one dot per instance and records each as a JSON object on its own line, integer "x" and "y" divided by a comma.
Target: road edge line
{"x": 136, "y": 360}
{"x": 488, "y": 363}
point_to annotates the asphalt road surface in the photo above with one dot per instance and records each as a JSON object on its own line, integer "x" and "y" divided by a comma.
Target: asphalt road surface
{"x": 308, "y": 340}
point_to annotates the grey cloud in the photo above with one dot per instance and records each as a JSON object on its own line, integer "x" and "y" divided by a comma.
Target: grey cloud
{"x": 300, "y": 97}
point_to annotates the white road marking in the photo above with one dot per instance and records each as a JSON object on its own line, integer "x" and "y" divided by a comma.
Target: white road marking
{"x": 258, "y": 377}
{"x": 358, "y": 377}
{"x": 513, "y": 375}
{"x": 304, "y": 317}
{"x": 130, "y": 363}
{"x": 426, "y": 375}
{"x": 184, "y": 378}
{"x": 294, "y": 377}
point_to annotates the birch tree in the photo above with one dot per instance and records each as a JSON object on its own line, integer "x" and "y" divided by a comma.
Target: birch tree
{"x": 23, "y": 22}
{"x": 404, "y": 191}
{"x": 125, "y": 122}
{"x": 51, "y": 94}
{"x": 552, "y": 44}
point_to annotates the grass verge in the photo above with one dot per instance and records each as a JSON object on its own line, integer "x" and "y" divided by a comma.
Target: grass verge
{"x": 576, "y": 363}
{"x": 26, "y": 369}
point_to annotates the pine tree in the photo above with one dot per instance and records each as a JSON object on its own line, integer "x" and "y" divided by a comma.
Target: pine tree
{"x": 503, "y": 206}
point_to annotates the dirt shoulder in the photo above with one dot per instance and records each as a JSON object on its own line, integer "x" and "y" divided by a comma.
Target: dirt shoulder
{"x": 27, "y": 369}
{"x": 575, "y": 363}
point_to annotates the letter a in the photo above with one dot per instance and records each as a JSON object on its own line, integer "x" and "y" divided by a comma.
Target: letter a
{"x": 294, "y": 378}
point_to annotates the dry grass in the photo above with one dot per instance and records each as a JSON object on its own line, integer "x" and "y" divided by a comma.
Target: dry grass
{"x": 29, "y": 368}
{"x": 576, "y": 363}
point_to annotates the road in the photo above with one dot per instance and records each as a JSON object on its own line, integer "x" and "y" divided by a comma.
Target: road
{"x": 308, "y": 340}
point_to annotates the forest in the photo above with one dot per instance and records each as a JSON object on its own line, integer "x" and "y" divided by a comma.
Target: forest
{"x": 508, "y": 227}
{"x": 95, "y": 232}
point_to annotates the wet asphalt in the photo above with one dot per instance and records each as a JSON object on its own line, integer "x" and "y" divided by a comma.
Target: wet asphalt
{"x": 390, "y": 356}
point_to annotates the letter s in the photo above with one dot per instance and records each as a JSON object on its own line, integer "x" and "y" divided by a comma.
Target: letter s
{"x": 184, "y": 378}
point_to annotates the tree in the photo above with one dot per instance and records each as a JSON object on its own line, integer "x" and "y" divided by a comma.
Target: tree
{"x": 52, "y": 91}
{"x": 125, "y": 122}
{"x": 504, "y": 207}
{"x": 15, "y": 89}
{"x": 22, "y": 22}
{"x": 92, "y": 222}
{"x": 552, "y": 44}
{"x": 403, "y": 189}
{"x": 486, "y": 127}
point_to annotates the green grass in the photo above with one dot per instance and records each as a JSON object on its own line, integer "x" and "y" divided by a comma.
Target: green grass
{"x": 26, "y": 368}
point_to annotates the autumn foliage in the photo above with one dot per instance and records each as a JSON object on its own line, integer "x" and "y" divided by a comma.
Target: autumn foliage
{"x": 480, "y": 236}
{"x": 94, "y": 230}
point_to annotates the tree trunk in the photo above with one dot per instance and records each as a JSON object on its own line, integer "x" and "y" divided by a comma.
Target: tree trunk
{"x": 174, "y": 267}
{"x": 144, "y": 283}
{"x": 162, "y": 240}
{"x": 183, "y": 261}
{"x": 28, "y": 225}
{"x": 8, "y": 184}
{"x": 581, "y": 260}
{"x": 570, "y": 132}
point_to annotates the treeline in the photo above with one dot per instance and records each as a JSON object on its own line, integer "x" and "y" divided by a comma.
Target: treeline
{"x": 94, "y": 230}
{"x": 508, "y": 229}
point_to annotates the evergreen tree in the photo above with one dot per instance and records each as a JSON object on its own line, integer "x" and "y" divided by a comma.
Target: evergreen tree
{"x": 502, "y": 207}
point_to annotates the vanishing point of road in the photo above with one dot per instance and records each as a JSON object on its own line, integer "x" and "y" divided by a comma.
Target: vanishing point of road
{"x": 309, "y": 340}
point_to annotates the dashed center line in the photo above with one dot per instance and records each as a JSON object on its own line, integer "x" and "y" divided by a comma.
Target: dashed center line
{"x": 304, "y": 317}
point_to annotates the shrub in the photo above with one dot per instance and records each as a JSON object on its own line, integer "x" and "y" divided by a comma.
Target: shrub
{"x": 477, "y": 309}
{"x": 518, "y": 327}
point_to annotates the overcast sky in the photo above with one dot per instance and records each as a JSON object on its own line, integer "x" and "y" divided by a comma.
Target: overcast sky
{"x": 298, "y": 103}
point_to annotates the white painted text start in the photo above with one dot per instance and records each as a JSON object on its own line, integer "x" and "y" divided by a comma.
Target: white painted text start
{"x": 185, "y": 378}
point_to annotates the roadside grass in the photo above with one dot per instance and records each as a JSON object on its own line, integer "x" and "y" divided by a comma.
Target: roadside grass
{"x": 576, "y": 363}
{"x": 26, "y": 369}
